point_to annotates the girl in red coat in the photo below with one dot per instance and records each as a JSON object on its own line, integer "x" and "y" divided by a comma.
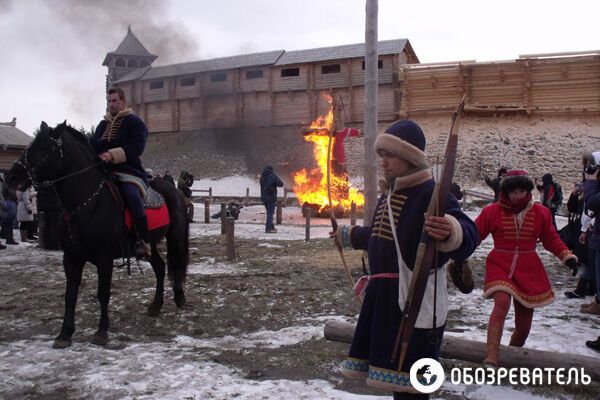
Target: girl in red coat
{"x": 513, "y": 267}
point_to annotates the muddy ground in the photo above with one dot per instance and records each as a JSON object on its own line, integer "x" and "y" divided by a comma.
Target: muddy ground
{"x": 276, "y": 287}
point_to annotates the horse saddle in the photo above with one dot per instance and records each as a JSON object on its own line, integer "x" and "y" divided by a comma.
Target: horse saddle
{"x": 156, "y": 209}
{"x": 153, "y": 199}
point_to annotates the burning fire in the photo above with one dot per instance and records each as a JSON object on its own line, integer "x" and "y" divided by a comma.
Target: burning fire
{"x": 310, "y": 186}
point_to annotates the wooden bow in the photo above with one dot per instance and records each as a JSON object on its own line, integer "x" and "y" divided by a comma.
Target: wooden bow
{"x": 334, "y": 224}
{"x": 427, "y": 247}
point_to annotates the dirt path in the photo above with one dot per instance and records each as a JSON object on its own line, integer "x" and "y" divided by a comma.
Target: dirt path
{"x": 283, "y": 285}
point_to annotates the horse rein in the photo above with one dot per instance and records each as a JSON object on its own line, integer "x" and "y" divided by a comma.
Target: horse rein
{"x": 51, "y": 184}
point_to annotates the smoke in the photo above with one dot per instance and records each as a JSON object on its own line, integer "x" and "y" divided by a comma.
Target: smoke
{"x": 54, "y": 52}
{"x": 100, "y": 26}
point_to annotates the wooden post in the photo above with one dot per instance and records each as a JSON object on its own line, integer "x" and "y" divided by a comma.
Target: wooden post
{"x": 206, "y": 211}
{"x": 307, "y": 214}
{"x": 279, "y": 215}
{"x": 230, "y": 238}
{"x": 285, "y": 192}
{"x": 223, "y": 216}
{"x": 247, "y": 195}
{"x": 353, "y": 213}
{"x": 210, "y": 194}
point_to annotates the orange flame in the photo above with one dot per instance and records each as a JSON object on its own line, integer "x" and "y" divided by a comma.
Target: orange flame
{"x": 310, "y": 186}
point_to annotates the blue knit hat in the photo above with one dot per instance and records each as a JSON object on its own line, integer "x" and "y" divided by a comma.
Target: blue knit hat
{"x": 404, "y": 139}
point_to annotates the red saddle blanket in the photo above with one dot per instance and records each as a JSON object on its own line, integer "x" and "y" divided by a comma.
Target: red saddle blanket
{"x": 157, "y": 217}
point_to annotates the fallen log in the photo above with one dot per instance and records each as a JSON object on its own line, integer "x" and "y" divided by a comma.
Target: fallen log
{"x": 473, "y": 351}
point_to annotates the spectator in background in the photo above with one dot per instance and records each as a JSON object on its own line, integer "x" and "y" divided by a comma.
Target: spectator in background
{"x": 574, "y": 235}
{"x": 3, "y": 206}
{"x": 24, "y": 210}
{"x": 10, "y": 196}
{"x": 551, "y": 195}
{"x": 167, "y": 177}
{"x": 456, "y": 191}
{"x": 269, "y": 182}
{"x": 495, "y": 183}
{"x": 591, "y": 190}
{"x": 184, "y": 183}
{"x": 33, "y": 231}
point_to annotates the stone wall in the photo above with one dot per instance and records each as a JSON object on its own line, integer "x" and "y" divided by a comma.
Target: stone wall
{"x": 538, "y": 144}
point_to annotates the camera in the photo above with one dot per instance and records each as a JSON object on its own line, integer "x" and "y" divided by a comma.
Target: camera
{"x": 591, "y": 169}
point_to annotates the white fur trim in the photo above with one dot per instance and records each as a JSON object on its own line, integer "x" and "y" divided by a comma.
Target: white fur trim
{"x": 118, "y": 155}
{"x": 455, "y": 239}
{"x": 399, "y": 147}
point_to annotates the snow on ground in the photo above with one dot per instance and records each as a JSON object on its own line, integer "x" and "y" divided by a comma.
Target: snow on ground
{"x": 235, "y": 186}
{"x": 163, "y": 370}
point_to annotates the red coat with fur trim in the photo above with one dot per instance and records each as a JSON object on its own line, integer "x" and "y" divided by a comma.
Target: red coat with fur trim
{"x": 513, "y": 265}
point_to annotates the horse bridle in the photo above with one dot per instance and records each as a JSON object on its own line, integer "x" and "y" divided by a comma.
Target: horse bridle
{"x": 51, "y": 184}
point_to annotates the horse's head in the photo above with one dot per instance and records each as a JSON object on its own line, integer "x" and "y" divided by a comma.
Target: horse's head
{"x": 42, "y": 160}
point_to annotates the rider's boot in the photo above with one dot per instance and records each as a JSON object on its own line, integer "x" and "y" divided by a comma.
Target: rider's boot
{"x": 143, "y": 250}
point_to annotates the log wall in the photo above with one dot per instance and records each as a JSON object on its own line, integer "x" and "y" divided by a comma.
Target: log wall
{"x": 270, "y": 100}
{"x": 9, "y": 156}
{"x": 533, "y": 85}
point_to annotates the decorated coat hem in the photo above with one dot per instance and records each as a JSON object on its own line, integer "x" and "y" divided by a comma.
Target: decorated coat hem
{"x": 385, "y": 379}
{"x": 536, "y": 301}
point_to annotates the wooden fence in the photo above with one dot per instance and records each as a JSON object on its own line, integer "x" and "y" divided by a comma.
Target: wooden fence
{"x": 559, "y": 83}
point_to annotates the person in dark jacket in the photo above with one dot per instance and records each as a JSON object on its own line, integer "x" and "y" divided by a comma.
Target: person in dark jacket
{"x": 269, "y": 182}
{"x": 10, "y": 197}
{"x": 119, "y": 140}
{"x": 392, "y": 241}
{"x": 574, "y": 234}
{"x": 168, "y": 177}
{"x": 495, "y": 183}
{"x": 550, "y": 195}
{"x": 591, "y": 191}
{"x": 3, "y": 206}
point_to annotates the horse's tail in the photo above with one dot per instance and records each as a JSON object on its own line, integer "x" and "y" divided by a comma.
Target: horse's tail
{"x": 178, "y": 235}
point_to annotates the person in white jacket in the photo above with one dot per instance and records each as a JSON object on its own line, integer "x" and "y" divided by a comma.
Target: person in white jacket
{"x": 24, "y": 211}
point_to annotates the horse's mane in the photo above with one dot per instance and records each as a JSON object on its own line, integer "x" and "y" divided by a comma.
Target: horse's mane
{"x": 78, "y": 136}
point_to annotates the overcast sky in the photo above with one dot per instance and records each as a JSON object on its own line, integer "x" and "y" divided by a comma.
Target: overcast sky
{"x": 52, "y": 50}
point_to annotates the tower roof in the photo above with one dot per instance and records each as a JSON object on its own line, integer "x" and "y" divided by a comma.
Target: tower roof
{"x": 130, "y": 46}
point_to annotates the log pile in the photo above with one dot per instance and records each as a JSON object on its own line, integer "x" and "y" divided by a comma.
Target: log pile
{"x": 472, "y": 351}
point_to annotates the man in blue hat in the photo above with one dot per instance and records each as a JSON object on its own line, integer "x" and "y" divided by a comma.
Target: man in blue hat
{"x": 392, "y": 241}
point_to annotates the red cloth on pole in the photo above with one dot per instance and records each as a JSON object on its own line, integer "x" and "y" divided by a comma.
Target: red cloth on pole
{"x": 338, "y": 153}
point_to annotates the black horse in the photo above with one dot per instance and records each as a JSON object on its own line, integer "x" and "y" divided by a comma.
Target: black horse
{"x": 92, "y": 228}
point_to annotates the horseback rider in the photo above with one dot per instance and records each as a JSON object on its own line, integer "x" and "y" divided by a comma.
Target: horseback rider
{"x": 119, "y": 141}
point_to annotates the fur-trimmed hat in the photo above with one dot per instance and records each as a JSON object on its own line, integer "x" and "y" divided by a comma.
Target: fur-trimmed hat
{"x": 404, "y": 139}
{"x": 516, "y": 179}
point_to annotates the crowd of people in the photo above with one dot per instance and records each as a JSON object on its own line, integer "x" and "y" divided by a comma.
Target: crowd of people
{"x": 514, "y": 272}
{"x": 18, "y": 210}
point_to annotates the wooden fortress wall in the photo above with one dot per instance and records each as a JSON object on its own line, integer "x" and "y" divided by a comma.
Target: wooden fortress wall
{"x": 557, "y": 85}
{"x": 270, "y": 100}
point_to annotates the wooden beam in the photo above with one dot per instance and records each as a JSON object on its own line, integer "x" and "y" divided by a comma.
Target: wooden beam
{"x": 473, "y": 351}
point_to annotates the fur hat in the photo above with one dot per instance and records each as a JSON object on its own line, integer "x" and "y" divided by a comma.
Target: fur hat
{"x": 516, "y": 179}
{"x": 404, "y": 139}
